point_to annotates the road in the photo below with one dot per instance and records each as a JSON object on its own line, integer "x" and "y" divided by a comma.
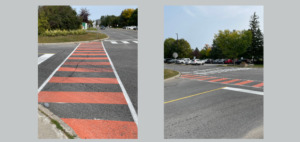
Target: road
{"x": 214, "y": 102}
{"x": 94, "y": 91}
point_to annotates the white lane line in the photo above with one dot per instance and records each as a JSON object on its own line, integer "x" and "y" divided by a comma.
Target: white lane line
{"x": 244, "y": 90}
{"x": 46, "y": 81}
{"x": 131, "y": 108}
{"x": 135, "y": 42}
{"x": 125, "y": 42}
{"x": 113, "y": 42}
{"x": 44, "y": 57}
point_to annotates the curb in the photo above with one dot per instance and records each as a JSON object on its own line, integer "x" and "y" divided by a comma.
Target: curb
{"x": 66, "y": 127}
{"x": 178, "y": 75}
{"x": 75, "y": 42}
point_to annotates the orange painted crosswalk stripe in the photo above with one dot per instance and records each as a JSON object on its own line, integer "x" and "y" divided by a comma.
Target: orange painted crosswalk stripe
{"x": 70, "y": 69}
{"x": 87, "y": 54}
{"x": 83, "y": 80}
{"x": 217, "y": 80}
{"x": 82, "y": 97}
{"x": 88, "y": 58}
{"x": 230, "y": 81}
{"x": 102, "y": 129}
{"x": 77, "y": 51}
{"x": 87, "y": 63}
{"x": 258, "y": 85}
{"x": 244, "y": 82}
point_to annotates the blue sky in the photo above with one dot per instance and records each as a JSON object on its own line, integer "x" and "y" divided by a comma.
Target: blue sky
{"x": 98, "y": 11}
{"x": 199, "y": 24}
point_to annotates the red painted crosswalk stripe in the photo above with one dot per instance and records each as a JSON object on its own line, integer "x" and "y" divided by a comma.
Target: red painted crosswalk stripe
{"x": 258, "y": 85}
{"x": 87, "y": 54}
{"x": 78, "y": 51}
{"x": 70, "y": 69}
{"x": 102, "y": 129}
{"x": 244, "y": 82}
{"x": 83, "y": 80}
{"x": 82, "y": 97}
{"x": 88, "y": 58}
{"x": 217, "y": 80}
{"x": 87, "y": 63}
{"x": 230, "y": 81}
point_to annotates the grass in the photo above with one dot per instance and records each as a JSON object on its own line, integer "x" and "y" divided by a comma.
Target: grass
{"x": 58, "y": 126}
{"x": 253, "y": 66}
{"x": 170, "y": 73}
{"x": 71, "y": 38}
{"x": 93, "y": 29}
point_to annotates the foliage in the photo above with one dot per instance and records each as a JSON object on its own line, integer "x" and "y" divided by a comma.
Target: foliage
{"x": 257, "y": 45}
{"x": 133, "y": 20}
{"x": 182, "y": 47}
{"x": 57, "y": 17}
{"x": 125, "y": 16}
{"x": 216, "y": 52}
{"x": 233, "y": 43}
{"x": 84, "y": 15}
{"x": 93, "y": 29}
{"x": 63, "y": 32}
{"x": 110, "y": 20}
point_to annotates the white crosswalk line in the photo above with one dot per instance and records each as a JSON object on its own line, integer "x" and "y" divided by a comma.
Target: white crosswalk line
{"x": 44, "y": 57}
{"x": 135, "y": 42}
{"x": 113, "y": 42}
{"x": 125, "y": 42}
{"x": 244, "y": 90}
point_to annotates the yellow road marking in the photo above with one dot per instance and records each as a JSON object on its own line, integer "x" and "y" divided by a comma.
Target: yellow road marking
{"x": 193, "y": 95}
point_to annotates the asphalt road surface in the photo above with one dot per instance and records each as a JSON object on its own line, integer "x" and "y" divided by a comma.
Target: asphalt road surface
{"x": 213, "y": 102}
{"x": 85, "y": 91}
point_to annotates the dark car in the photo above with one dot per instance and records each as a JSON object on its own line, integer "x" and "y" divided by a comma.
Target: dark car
{"x": 167, "y": 59}
{"x": 209, "y": 61}
{"x": 248, "y": 61}
{"x": 102, "y": 28}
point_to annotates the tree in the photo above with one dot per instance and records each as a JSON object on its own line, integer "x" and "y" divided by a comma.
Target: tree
{"x": 133, "y": 20}
{"x": 181, "y": 46}
{"x": 216, "y": 52}
{"x": 84, "y": 15}
{"x": 233, "y": 43}
{"x": 196, "y": 53}
{"x": 58, "y": 17}
{"x": 125, "y": 16}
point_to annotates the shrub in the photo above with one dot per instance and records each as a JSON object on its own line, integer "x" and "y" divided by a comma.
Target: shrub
{"x": 63, "y": 32}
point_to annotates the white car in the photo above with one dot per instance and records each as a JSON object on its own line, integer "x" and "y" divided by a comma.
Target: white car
{"x": 130, "y": 27}
{"x": 180, "y": 61}
{"x": 197, "y": 62}
{"x": 188, "y": 61}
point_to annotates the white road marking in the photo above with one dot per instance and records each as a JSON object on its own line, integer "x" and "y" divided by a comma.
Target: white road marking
{"x": 135, "y": 42}
{"x": 46, "y": 81}
{"x": 44, "y": 57}
{"x": 129, "y": 103}
{"x": 244, "y": 90}
{"x": 113, "y": 42}
{"x": 125, "y": 42}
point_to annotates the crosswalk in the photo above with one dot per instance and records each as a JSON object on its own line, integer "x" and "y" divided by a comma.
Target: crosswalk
{"x": 121, "y": 41}
{"x": 217, "y": 70}
{"x": 86, "y": 94}
{"x": 221, "y": 80}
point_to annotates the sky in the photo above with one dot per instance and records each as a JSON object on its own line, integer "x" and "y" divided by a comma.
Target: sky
{"x": 199, "y": 24}
{"x": 98, "y": 11}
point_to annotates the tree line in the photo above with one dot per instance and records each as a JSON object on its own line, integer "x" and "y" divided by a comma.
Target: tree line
{"x": 226, "y": 44}
{"x": 128, "y": 17}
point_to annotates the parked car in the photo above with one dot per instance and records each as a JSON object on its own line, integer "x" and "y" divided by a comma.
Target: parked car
{"x": 171, "y": 61}
{"x": 180, "y": 61}
{"x": 197, "y": 62}
{"x": 188, "y": 61}
{"x": 209, "y": 61}
{"x": 167, "y": 59}
{"x": 248, "y": 61}
{"x": 221, "y": 61}
{"x": 216, "y": 61}
{"x": 228, "y": 61}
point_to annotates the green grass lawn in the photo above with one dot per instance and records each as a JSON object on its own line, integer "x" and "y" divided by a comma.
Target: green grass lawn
{"x": 170, "y": 73}
{"x": 71, "y": 38}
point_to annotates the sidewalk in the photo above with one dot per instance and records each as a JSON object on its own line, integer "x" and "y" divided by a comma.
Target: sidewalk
{"x": 48, "y": 130}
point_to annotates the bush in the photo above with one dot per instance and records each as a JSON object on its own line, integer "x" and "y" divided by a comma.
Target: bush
{"x": 63, "y": 32}
{"x": 94, "y": 29}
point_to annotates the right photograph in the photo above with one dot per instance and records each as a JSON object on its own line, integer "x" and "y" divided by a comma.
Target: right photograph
{"x": 214, "y": 72}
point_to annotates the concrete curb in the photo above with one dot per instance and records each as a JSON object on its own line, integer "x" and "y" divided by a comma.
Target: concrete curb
{"x": 178, "y": 75}
{"x": 75, "y": 42}
{"x": 49, "y": 114}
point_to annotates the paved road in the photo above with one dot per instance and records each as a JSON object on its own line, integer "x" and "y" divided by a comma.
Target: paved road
{"x": 85, "y": 91}
{"x": 198, "y": 106}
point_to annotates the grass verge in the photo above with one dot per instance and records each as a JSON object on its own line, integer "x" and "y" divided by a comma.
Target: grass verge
{"x": 71, "y": 38}
{"x": 170, "y": 73}
{"x": 58, "y": 126}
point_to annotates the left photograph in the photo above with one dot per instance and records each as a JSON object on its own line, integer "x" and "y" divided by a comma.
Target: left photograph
{"x": 87, "y": 72}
